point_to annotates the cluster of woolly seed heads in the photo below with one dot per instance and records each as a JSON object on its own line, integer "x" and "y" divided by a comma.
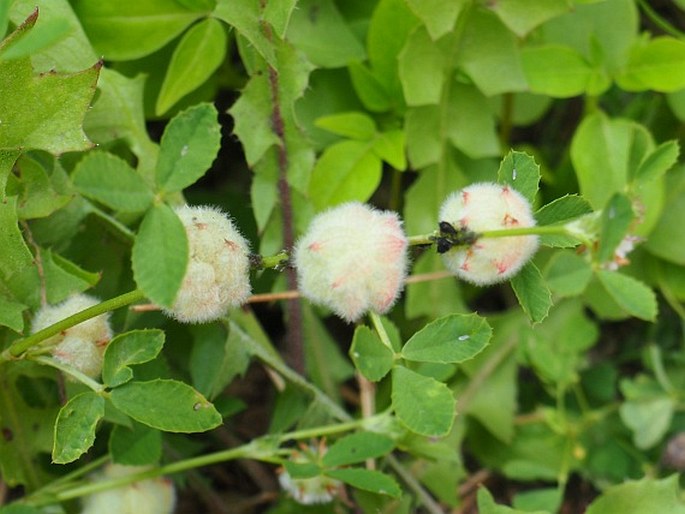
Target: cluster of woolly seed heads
{"x": 352, "y": 259}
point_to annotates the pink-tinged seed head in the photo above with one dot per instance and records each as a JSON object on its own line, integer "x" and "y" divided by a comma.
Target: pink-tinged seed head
{"x": 151, "y": 496}
{"x": 490, "y": 206}
{"x": 217, "y": 276}
{"x": 81, "y": 346}
{"x": 361, "y": 256}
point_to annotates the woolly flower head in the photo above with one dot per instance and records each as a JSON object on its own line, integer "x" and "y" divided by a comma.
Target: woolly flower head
{"x": 488, "y": 206}
{"x": 353, "y": 258}
{"x": 152, "y": 496}
{"x": 81, "y": 346}
{"x": 309, "y": 491}
{"x": 218, "y": 267}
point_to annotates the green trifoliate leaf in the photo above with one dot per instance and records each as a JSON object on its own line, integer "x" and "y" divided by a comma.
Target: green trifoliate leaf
{"x": 302, "y": 470}
{"x": 37, "y": 196}
{"x": 648, "y": 418}
{"x": 29, "y": 100}
{"x": 355, "y": 125}
{"x": 371, "y": 91}
{"x": 199, "y": 53}
{"x": 568, "y": 274}
{"x": 532, "y": 292}
{"x": 245, "y": 16}
{"x": 421, "y": 69}
{"x": 189, "y": 145}
{"x": 487, "y": 505}
{"x": 347, "y": 171}
{"x": 75, "y": 427}
{"x": 129, "y": 348}
{"x": 630, "y": 294}
{"x": 356, "y": 448}
{"x": 521, "y": 16}
{"x": 439, "y": 16}
{"x": 614, "y": 224}
{"x": 48, "y": 33}
{"x": 252, "y": 114}
{"x": 520, "y": 171}
{"x": 11, "y": 314}
{"x": 452, "y": 339}
{"x": 646, "y": 496}
{"x": 658, "y": 65}
{"x": 18, "y": 273}
{"x": 118, "y": 113}
{"x": 129, "y": 29}
{"x": 367, "y": 480}
{"x": 370, "y": 356}
{"x": 391, "y": 147}
{"x": 166, "y": 405}
{"x": 658, "y": 162}
{"x": 560, "y": 211}
{"x": 422, "y": 404}
{"x": 325, "y": 37}
{"x": 501, "y": 53}
{"x": 160, "y": 255}
{"x": 109, "y": 180}
{"x": 557, "y": 71}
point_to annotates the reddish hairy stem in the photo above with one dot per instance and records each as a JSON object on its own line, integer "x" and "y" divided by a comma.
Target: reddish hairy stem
{"x": 293, "y": 352}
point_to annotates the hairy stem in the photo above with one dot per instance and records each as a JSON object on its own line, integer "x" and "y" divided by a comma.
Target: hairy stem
{"x": 294, "y": 349}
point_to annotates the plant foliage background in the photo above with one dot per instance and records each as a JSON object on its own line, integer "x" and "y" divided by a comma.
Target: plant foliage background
{"x": 571, "y": 392}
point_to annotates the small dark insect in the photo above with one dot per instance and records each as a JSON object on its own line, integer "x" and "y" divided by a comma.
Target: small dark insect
{"x": 442, "y": 245}
{"x": 451, "y": 236}
{"x": 447, "y": 228}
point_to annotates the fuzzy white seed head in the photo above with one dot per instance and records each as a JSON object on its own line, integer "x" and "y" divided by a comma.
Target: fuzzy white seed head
{"x": 152, "y": 496}
{"x": 218, "y": 273}
{"x": 353, "y": 258}
{"x": 80, "y": 354}
{"x": 310, "y": 491}
{"x": 488, "y": 206}
{"x": 81, "y": 346}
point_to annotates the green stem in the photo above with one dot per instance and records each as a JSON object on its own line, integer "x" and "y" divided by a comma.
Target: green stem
{"x": 20, "y": 346}
{"x": 423, "y": 239}
{"x": 316, "y": 432}
{"x": 427, "y": 239}
{"x": 70, "y": 370}
{"x": 259, "y": 449}
{"x": 659, "y": 21}
{"x": 250, "y": 450}
{"x": 426, "y": 499}
{"x": 66, "y": 481}
{"x": 263, "y": 350}
{"x": 526, "y": 231}
{"x": 274, "y": 261}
